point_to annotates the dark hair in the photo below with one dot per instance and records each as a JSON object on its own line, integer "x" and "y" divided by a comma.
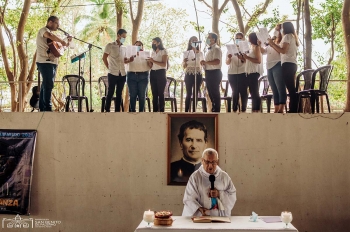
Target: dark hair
{"x": 214, "y": 36}
{"x": 121, "y": 31}
{"x": 253, "y": 39}
{"x": 288, "y": 28}
{"x": 189, "y": 46}
{"x": 138, "y": 41}
{"x": 193, "y": 124}
{"x": 160, "y": 46}
{"x": 239, "y": 33}
{"x": 52, "y": 18}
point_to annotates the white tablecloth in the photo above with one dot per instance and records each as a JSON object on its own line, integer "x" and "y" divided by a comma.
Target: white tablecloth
{"x": 238, "y": 223}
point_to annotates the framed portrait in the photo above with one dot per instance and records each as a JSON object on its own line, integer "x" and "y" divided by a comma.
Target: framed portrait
{"x": 188, "y": 136}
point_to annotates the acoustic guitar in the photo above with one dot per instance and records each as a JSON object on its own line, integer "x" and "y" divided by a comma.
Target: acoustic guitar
{"x": 56, "y": 48}
{"x": 34, "y": 100}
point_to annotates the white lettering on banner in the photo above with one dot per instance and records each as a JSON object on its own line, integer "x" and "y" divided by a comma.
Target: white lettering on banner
{"x": 19, "y": 222}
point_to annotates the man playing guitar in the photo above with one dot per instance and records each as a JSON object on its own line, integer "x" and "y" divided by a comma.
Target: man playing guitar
{"x": 47, "y": 61}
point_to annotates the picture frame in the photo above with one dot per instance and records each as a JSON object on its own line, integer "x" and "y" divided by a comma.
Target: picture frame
{"x": 186, "y": 142}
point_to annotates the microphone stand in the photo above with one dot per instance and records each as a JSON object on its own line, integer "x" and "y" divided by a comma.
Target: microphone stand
{"x": 90, "y": 76}
{"x": 195, "y": 94}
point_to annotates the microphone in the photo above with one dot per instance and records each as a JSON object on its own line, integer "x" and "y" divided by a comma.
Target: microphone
{"x": 66, "y": 33}
{"x": 212, "y": 180}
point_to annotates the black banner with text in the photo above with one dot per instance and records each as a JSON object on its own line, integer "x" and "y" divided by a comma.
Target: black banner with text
{"x": 16, "y": 167}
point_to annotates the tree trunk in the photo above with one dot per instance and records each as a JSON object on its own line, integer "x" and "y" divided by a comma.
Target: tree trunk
{"x": 136, "y": 21}
{"x": 238, "y": 16}
{"x": 23, "y": 58}
{"x": 298, "y": 16}
{"x": 308, "y": 36}
{"x": 346, "y": 29}
{"x": 333, "y": 31}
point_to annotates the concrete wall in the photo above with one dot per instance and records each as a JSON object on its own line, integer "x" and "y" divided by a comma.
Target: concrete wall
{"x": 99, "y": 172}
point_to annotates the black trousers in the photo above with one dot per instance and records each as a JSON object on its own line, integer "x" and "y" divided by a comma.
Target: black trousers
{"x": 239, "y": 86}
{"x": 254, "y": 90}
{"x": 288, "y": 72}
{"x": 189, "y": 83}
{"x": 158, "y": 83}
{"x": 213, "y": 79}
{"x": 114, "y": 82}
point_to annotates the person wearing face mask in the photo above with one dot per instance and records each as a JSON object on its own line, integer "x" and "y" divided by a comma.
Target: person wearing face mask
{"x": 274, "y": 72}
{"x": 254, "y": 69}
{"x": 158, "y": 63}
{"x": 237, "y": 76}
{"x": 213, "y": 74}
{"x": 137, "y": 79}
{"x": 114, "y": 59}
{"x": 288, "y": 48}
{"x": 192, "y": 68}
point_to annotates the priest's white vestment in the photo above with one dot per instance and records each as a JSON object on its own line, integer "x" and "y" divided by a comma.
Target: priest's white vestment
{"x": 197, "y": 189}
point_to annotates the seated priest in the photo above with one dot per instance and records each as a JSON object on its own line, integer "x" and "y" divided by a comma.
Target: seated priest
{"x": 206, "y": 195}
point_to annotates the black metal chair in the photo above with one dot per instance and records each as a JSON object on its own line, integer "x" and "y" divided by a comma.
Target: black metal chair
{"x": 103, "y": 93}
{"x": 323, "y": 74}
{"x": 171, "y": 95}
{"x": 265, "y": 95}
{"x": 226, "y": 98}
{"x": 202, "y": 93}
{"x": 303, "y": 87}
{"x": 76, "y": 92}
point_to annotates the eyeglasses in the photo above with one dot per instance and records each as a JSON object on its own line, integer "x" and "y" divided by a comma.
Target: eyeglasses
{"x": 215, "y": 162}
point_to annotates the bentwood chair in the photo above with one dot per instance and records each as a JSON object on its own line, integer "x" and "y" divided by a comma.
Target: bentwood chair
{"x": 76, "y": 92}
{"x": 323, "y": 75}
{"x": 265, "y": 95}
{"x": 226, "y": 98}
{"x": 303, "y": 87}
{"x": 170, "y": 93}
{"x": 103, "y": 87}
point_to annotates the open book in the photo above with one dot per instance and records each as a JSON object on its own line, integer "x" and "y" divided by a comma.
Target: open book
{"x": 206, "y": 219}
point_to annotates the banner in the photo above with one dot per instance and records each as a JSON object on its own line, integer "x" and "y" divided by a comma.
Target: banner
{"x": 16, "y": 168}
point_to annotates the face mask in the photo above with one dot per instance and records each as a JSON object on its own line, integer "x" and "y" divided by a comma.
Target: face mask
{"x": 237, "y": 41}
{"x": 208, "y": 41}
{"x": 281, "y": 31}
{"x": 193, "y": 45}
{"x": 122, "y": 40}
{"x": 276, "y": 34}
{"x": 138, "y": 48}
{"x": 154, "y": 47}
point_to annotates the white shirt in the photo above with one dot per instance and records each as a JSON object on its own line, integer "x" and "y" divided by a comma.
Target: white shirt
{"x": 196, "y": 193}
{"x": 115, "y": 58}
{"x": 213, "y": 53}
{"x": 291, "y": 55}
{"x": 236, "y": 66}
{"x": 194, "y": 65}
{"x": 158, "y": 56}
{"x": 253, "y": 67}
{"x": 41, "y": 43}
{"x": 272, "y": 58}
{"x": 138, "y": 65}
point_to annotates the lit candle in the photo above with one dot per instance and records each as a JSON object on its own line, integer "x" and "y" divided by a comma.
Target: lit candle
{"x": 286, "y": 217}
{"x": 179, "y": 173}
{"x": 148, "y": 216}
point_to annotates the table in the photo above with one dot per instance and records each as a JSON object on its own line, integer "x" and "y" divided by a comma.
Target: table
{"x": 238, "y": 223}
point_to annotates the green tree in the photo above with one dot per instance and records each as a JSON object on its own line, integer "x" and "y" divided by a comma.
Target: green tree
{"x": 99, "y": 24}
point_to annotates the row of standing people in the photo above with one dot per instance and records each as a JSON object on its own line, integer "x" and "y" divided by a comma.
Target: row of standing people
{"x": 138, "y": 68}
{"x": 244, "y": 69}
